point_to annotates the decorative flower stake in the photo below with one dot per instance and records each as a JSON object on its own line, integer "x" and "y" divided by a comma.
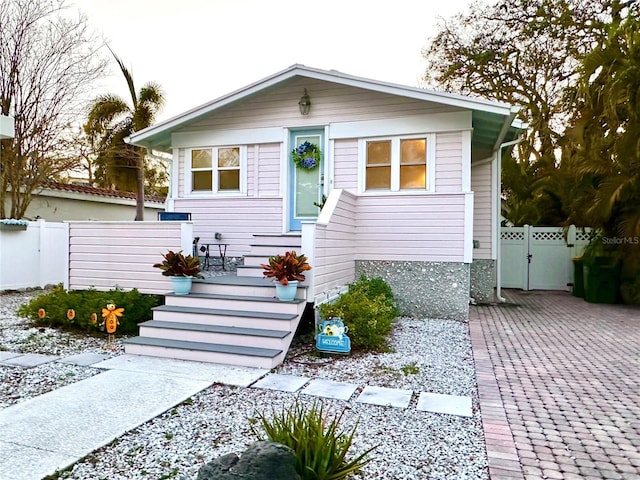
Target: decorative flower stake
{"x": 306, "y": 156}
{"x": 110, "y": 315}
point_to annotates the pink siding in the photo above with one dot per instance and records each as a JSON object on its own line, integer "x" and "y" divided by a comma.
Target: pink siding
{"x": 181, "y": 173}
{"x": 449, "y": 162}
{"x": 481, "y": 186}
{"x": 346, "y": 164}
{"x": 268, "y": 170}
{"x": 104, "y": 255}
{"x": 334, "y": 252}
{"x": 236, "y": 218}
{"x": 331, "y": 103}
{"x": 418, "y": 228}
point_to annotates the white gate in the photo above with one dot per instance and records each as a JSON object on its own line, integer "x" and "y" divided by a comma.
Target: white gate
{"x": 540, "y": 258}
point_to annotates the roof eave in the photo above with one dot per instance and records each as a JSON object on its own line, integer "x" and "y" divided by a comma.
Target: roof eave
{"x": 143, "y": 137}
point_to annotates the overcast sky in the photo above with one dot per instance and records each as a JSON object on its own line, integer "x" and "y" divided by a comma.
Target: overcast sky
{"x": 198, "y": 50}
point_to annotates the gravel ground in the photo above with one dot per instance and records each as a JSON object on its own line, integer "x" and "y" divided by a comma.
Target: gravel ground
{"x": 426, "y": 356}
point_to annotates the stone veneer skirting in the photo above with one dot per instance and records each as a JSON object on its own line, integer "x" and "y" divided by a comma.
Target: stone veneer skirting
{"x": 483, "y": 281}
{"x": 424, "y": 289}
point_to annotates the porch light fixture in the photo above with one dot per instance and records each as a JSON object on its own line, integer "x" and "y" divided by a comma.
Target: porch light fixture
{"x": 305, "y": 103}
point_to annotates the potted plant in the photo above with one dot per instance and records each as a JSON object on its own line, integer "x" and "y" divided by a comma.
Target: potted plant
{"x": 181, "y": 268}
{"x": 286, "y": 271}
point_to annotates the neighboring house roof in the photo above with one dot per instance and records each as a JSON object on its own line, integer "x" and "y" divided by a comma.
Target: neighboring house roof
{"x": 101, "y": 192}
{"x": 493, "y": 122}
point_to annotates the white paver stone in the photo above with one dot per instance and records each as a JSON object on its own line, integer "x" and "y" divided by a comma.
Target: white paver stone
{"x": 210, "y": 372}
{"x": 330, "y": 389}
{"x": 283, "y": 383}
{"x": 84, "y": 359}
{"x": 29, "y": 360}
{"x": 391, "y": 397}
{"x": 8, "y": 355}
{"x": 449, "y": 404}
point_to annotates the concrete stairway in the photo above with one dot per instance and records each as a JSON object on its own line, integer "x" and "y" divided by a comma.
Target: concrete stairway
{"x": 231, "y": 319}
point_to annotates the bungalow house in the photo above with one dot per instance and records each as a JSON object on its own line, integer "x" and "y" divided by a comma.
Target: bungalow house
{"x": 407, "y": 179}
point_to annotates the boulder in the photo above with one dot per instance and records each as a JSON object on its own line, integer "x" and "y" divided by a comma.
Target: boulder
{"x": 261, "y": 461}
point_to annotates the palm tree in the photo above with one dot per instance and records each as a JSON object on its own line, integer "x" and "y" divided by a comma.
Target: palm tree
{"x": 110, "y": 121}
{"x": 603, "y": 140}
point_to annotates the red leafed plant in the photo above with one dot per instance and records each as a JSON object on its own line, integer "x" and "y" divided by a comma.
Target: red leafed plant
{"x": 287, "y": 267}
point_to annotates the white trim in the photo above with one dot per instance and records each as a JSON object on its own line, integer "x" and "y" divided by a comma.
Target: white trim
{"x": 215, "y": 193}
{"x": 226, "y": 137}
{"x": 431, "y": 162}
{"x": 468, "y": 227}
{"x": 410, "y": 125}
{"x": 328, "y": 163}
{"x": 256, "y": 170}
{"x": 466, "y": 161}
{"x": 395, "y": 165}
{"x": 174, "y": 180}
{"x": 495, "y": 212}
{"x": 285, "y": 147}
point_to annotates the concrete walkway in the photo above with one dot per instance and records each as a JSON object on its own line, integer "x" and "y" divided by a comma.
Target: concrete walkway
{"x": 558, "y": 380}
{"x": 52, "y": 431}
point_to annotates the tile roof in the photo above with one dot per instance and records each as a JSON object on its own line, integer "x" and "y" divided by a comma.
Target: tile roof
{"x": 102, "y": 192}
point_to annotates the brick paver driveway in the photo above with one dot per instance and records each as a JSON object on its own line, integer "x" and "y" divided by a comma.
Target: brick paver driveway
{"x": 559, "y": 387}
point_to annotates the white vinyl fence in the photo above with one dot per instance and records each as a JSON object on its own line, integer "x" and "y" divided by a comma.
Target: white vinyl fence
{"x": 35, "y": 257}
{"x": 540, "y": 258}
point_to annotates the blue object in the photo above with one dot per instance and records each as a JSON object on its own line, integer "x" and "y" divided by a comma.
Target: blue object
{"x": 174, "y": 216}
{"x": 332, "y": 337}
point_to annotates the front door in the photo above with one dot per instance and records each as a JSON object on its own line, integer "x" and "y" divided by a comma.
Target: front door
{"x": 306, "y": 177}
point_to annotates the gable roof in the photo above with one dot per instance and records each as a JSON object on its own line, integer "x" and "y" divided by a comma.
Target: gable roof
{"x": 493, "y": 122}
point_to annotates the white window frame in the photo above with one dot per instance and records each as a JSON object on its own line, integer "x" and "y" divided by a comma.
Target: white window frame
{"x": 395, "y": 165}
{"x": 215, "y": 192}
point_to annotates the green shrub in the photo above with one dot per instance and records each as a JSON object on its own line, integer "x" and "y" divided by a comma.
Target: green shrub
{"x": 368, "y": 310}
{"x": 137, "y": 308}
{"x": 319, "y": 447}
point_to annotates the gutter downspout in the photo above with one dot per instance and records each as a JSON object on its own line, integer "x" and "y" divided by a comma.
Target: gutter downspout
{"x": 498, "y": 212}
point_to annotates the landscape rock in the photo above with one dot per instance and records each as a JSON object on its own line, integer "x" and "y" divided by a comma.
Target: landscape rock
{"x": 261, "y": 461}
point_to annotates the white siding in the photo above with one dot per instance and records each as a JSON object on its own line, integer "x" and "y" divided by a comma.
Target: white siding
{"x": 449, "y": 162}
{"x": 345, "y": 159}
{"x": 481, "y": 186}
{"x": 411, "y": 228}
{"x": 104, "y": 255}
{"x": 334, "y": 252}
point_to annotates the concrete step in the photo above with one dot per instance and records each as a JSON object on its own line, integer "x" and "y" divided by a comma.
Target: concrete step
{"x": 216, "y": 334}
{"x": 252, "y": 271}
{"x": 255, "y": 260}
{"x": 282, "y": 241}
{"x": 205, "y": 352}
{"x": 270, "y": 250}
{"x": 236, "y": 302}
{"x": 231, "y": 318}
{"x": 239, "y": 285}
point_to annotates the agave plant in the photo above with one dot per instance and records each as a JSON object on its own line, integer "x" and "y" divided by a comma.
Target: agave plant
{"x": 286, "y": 268}
{"x": 176, "y": 264}
{"x": 321, "y": 447}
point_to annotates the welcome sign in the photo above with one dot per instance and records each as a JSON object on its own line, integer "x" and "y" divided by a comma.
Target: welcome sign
{"x": 332, "y": 337}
